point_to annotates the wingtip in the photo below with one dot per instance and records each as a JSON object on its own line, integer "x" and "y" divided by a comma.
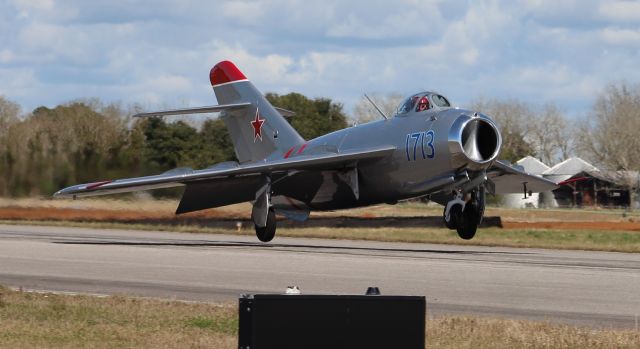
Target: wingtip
{"x": 62, "y": 194}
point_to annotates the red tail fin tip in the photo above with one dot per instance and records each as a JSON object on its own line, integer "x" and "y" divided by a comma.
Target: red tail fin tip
{"x": 225, "y": 72}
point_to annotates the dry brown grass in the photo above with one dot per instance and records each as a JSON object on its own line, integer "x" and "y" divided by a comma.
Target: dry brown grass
{"x": 105, "y": 203}
{"x": 604, "y": 230}
{"x": 168, "y": 206}
{"x": 476, "y": 332}
{"x": 32, "y": 320}
{"x": 40, "y": 320}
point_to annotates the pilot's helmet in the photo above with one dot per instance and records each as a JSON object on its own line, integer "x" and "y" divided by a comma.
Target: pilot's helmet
{"x": 423, "y": 104}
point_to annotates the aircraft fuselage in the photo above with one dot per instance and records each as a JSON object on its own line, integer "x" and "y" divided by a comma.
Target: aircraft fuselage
{"x": 425, "y": 159}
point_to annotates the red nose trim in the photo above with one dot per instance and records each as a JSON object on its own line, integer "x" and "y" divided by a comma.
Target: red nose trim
{"x": 224, "y": 72}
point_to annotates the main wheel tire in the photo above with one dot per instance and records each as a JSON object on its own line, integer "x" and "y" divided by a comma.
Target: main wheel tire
{"x": 468, "y": 223}
{"x": 266, "y": 233}
{"x": 455, "y": 214}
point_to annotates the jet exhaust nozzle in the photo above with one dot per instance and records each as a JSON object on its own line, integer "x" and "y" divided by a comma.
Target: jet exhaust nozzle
{"x": 474, "y": 142}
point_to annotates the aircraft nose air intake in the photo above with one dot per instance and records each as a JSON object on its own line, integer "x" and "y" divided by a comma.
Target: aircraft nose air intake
{"x": 474, "y": 142}
{"x": 479, "y": 140}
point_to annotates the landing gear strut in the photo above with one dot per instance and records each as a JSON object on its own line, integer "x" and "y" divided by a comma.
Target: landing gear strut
{"x": 465, "y": 215}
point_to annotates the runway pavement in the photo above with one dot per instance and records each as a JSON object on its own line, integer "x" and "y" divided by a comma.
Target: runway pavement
{"x": 588, "y": 288}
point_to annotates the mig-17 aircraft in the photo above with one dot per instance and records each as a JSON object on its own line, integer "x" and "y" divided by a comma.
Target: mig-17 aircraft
{"x": 427, "y": 149}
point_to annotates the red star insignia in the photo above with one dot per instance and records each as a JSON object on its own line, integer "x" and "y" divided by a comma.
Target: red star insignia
{"x": 257, "y": 126}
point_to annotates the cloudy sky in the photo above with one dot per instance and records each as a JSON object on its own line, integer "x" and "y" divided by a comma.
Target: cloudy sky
{"x": 159, "y": 53}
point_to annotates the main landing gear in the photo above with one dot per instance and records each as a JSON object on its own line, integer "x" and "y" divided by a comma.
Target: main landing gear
{"x": 266, "y": 233}
{"x": 263, "y": 215}
{"x": 464, "y": 213}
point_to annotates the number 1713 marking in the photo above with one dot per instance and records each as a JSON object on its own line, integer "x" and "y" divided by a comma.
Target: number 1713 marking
{"x": 425, "y": 142}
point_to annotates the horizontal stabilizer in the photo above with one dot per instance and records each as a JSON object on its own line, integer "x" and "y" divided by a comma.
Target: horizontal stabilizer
{"x": 285, "y": 112}
{"x": 198, "y": 110}
{"x": 208, "y": 109}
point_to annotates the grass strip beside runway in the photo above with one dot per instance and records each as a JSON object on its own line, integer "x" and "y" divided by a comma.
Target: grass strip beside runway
{"x": 595, "y": 240}
{"x": 591, "y": 240}
{"x": 34, "y": 320}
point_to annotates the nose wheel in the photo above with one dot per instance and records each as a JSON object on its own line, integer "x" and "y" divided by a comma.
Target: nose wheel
{"x": 468, "y": 222}
{"x": 465, "y": 216}
{"x": 454, "y": 215}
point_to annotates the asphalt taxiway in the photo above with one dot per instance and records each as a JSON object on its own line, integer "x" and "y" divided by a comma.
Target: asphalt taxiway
{"x": 580, "y": 287}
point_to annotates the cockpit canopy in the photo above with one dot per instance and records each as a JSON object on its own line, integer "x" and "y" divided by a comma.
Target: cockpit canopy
{"x": 422, "y": 101}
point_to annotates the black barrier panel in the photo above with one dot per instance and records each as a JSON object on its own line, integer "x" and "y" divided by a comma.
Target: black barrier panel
{"x": 323, "y": 321}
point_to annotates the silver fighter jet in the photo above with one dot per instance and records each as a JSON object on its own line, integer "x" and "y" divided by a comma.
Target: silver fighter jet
{"x": 427, "y": 149}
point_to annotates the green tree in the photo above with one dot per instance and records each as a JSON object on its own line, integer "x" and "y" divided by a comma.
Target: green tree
{"x": 314, "y": 117}
{"x": 9, "y": 115}
{"x": 57, "y": 147}
{"x": 169, "y": 145}
{"x": 87, "y": 140}
{"x": 216, "y": 142}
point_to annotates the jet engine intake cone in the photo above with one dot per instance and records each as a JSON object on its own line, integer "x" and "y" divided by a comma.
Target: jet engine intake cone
{"x": 479, "y": 140}
{"x": 474, "y": 142}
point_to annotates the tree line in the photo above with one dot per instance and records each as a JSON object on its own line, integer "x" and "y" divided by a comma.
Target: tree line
{"x": 87, "y": 140}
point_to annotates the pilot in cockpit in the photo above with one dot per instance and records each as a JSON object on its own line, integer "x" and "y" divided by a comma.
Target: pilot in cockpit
{"x": 423, "y": 104}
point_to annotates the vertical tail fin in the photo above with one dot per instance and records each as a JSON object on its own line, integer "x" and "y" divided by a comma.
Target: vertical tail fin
{"x": 257, "y": 131}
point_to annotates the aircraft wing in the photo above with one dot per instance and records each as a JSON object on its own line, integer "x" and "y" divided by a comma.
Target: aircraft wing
{"x": 180, "y": 177}
{"x": 508, "y": 179}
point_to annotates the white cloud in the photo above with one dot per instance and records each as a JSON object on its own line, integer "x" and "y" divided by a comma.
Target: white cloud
{"x": 39, "y": 5}
{"x": 6, "y": 56}
{"x": 615, "y": 36}
{"x": 18, "y": 83}
{"x": 270, "y": 67}
{"x": 167, "y": 83}
{"x": 625, "y": 11}
{"x": 162, "y": 54}
{"x": 418, "y": 24}
{"x": 49, "y": 10}
{"x": 244, "y": 12}
{"x": 52, "y": 38}
{"x": 542, "y": 75}
{"x": 311, "y": 69}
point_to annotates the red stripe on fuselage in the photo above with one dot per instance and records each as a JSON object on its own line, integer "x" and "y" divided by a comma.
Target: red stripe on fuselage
{"x": 288, "y": 153}
{"x": 301, "y": 148}
{"x": 97, "y": 184}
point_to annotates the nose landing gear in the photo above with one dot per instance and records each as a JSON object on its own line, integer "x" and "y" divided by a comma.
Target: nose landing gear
{"x": 465, "y": 215}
